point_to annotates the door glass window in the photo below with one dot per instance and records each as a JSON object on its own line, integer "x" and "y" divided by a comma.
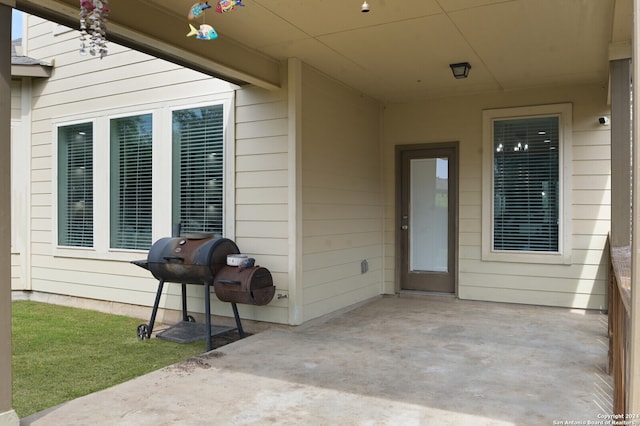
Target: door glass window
{"x": 429, "y": 214}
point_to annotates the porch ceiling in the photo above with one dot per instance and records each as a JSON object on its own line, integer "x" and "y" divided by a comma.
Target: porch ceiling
{"x": 400, "y": 51}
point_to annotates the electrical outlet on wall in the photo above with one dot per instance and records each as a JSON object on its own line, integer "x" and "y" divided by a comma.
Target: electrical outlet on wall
{"x": 364, "y": 266}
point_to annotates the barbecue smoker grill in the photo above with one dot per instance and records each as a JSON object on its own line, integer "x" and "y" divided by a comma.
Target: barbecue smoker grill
{"x": 202, "y": 259}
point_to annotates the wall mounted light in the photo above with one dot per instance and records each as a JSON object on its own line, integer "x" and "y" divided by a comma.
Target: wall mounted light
{"x": 365, "y": 7}
{"x": 461, "y": 69}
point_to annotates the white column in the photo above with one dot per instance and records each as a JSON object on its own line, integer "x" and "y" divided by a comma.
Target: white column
{"x": 294, "y": 87}
{"x": 7, "y": 414}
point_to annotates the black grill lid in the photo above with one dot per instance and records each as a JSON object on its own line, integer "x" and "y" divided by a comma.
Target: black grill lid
{"x": 189, "y": 260}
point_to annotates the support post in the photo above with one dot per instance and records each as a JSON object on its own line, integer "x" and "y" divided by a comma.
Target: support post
{"x": 7, "y": 414}
{"x": 620, "y": 152}
{"x": 633, "y": 397}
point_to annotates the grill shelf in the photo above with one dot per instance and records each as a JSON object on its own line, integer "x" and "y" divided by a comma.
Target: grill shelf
{"x": 187, "y": 332}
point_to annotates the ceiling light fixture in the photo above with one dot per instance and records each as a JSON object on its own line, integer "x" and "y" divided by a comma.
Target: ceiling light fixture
{"x": 461, "y": 69}
{"x": 365, "y": 7}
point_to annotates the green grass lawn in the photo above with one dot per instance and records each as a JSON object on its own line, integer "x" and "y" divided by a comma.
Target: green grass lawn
{"x": 61, "y": 353}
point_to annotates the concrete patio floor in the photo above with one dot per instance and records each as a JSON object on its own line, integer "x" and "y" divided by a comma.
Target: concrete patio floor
{"x": 408, "y": 360}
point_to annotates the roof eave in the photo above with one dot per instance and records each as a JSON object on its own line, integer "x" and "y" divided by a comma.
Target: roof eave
{"x": 42, "y": 71}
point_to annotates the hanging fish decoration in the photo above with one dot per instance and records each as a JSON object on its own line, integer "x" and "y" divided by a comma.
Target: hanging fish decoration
{"x": 205, "y": 32}
{"x": 198, "y": 9}
{"x": 224, "y": 6}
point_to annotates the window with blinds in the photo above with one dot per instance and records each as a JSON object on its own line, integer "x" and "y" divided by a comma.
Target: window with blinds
{"x": 198, "y": 151}
{"x": 131, "y": 182}
{"x": 526, "y": 186}
{"x": 75, "y": 185}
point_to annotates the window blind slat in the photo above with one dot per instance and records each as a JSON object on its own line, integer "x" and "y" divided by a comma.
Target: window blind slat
{"x": 75, "y": 185}
{"x": 131, "y": 182}
{"x": 526, "y": 184}
{"x": 198, "y": 160}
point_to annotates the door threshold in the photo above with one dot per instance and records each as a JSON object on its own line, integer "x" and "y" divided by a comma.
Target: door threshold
{"x": 426, "y": 293}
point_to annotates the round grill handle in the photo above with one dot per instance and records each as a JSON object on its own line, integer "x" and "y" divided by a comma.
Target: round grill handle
{"x": 169, "y": 258}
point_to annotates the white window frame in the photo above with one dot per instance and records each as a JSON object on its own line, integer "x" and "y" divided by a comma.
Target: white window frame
{"x": 162, "y": 172}
{"x": 69, "y": 250}
{"x": 105, "y": 179}
{"x": 564, "y": 112}
{"x": 229, "y": 153}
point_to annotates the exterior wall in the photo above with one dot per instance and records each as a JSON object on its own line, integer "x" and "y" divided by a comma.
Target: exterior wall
{"x": 341, "y": 196}
{"x": 580, "y": 284}
{"x": 125, "y": 81}
{"x": 262, "y": 187}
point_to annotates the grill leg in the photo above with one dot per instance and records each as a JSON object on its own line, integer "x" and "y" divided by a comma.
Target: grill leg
{"x": 184, "y": 302}
{"x": 155, "y": 307}
{"x": 237, "y": 317}
{"x": 207, "y": 315}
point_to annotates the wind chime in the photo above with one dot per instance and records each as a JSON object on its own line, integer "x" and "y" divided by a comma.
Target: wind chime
{"x": 93, "y": 22}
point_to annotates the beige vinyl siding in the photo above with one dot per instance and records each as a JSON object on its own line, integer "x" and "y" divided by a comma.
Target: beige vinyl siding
{"x": 581, "y": 284}
{"x": 341, "y": 196}
{"x": 262, "y": 218}
{"x": 125, "y": 81}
